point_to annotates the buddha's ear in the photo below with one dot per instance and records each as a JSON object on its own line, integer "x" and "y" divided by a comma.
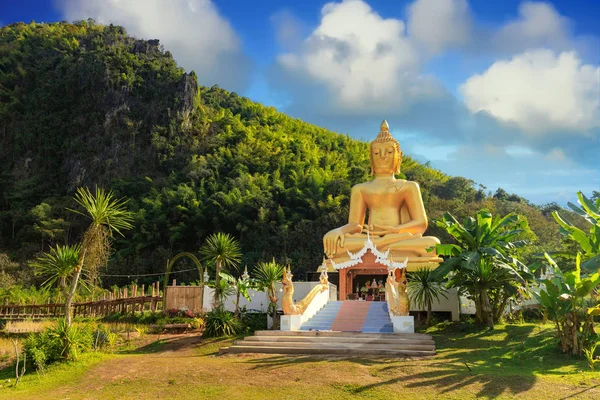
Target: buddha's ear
{"x": 397, "y": 171}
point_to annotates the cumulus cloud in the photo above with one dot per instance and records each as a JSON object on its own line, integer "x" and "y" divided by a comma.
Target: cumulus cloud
{"x": 440, "y": 24}
{"x": 365, "y": 62}
{"x": 540, "y": 91}
{"x": 288, "y": 29}
{"x": 538, "y": 25}
{"x": 193, "y": 30}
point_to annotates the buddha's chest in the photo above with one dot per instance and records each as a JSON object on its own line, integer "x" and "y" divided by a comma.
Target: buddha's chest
{"x": 384, "y": 195}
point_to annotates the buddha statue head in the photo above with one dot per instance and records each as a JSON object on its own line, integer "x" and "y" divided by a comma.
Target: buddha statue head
{"x": 385, "y": 152}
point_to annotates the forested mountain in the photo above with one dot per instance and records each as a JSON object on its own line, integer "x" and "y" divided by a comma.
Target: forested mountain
{"x": 84, "y": 104}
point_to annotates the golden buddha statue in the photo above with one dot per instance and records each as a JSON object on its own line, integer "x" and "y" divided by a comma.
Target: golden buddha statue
{"x": 397, "y": 218}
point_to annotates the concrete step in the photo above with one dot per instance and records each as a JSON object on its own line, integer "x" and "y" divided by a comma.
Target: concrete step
{"x": 346, "y": 345}
{"x": 387, "y": 339}
{"x": 327, "y": 350}
{"x": 341, "y": 334}
{"x": 336, "y": 343}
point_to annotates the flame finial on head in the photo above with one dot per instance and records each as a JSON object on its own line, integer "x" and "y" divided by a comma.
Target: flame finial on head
{"x": 385, "y": 135}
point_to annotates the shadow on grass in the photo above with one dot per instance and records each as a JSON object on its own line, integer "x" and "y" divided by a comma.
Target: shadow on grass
{"x": 200, "y": 346}
{"x": 505, "y": 360}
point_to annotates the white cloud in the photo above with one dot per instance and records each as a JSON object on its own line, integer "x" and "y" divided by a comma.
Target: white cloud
{"x": 538, "y": 25}
{"x": 192, "y": 30}
{"x": 288, "y": 29}
{"x": 364, "y": 61}
{"x": 439, "y": 24}
{"x": 539, "y": 91}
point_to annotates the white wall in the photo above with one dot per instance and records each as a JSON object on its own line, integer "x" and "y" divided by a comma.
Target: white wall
{"x": 260, "y": 300}
{"x": 444, "y": 305}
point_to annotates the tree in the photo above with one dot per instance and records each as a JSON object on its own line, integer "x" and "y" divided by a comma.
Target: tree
{"x": 423, "y": 288}
{"x": 58, "y": 266}
{"x": 240, "y": 287}
{"x": 482, "y": 262}
{"x": 223, "y": 251}
{"x": 588, "y": 242}
{"x": 49, "y": 228}
{"x": 107, "y": 215}
{"x": 567, "y": 298}
{"x": 267, "y": 274}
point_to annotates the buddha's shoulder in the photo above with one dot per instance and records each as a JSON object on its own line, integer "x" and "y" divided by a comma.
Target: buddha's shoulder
{"x": 360, "y": 187}
{"x": 410, "y": 184}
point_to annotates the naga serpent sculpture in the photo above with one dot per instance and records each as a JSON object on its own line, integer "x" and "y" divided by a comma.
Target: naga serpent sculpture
{"x": 287, "y": 302}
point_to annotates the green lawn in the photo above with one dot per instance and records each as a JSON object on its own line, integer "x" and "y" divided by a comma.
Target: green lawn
{"x": 513, "y": 361}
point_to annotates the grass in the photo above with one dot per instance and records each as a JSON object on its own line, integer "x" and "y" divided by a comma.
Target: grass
{"x": 512, "y": 361}
{"x": 26, "y": 326}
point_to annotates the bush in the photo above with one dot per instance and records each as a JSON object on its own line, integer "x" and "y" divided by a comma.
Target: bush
{"x": 220, "y": 322}
{"x": 65, "y": 343}
{"x": 41, "y": 349}
{"x": 72, "y": 340}
{"x": 197, "y": 323}
{"x": 254, "y": 321}
{"x": 103, "y": 337}
{"x": 533, "y": 314}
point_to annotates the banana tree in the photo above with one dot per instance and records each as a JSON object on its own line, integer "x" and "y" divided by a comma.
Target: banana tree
{"x": 241, "y": 287}
{"x": 588, "y": 242}
{"x": 482, "y": 263}
{"x": 568, "y": 299}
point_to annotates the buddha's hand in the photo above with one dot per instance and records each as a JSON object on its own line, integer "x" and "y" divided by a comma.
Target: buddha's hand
{"x": 331, "y": 240}
{"x": 382, "y": 230}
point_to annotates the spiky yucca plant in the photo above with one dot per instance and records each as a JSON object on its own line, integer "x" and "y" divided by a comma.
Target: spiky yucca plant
{"x": 222, "y": 250}
{"x": 58, "y": 266}
{"x": 424, "y": 288}
{"x": 107, "y": 215}
{"x": 266, "y": 275}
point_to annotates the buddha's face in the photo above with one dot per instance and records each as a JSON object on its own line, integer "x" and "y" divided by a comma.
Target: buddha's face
{"x": 384, "y": 157}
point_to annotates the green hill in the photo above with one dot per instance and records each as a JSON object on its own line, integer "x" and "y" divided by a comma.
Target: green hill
{"x": 85, "y": 104}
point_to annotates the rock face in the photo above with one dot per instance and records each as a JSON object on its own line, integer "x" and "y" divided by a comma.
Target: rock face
{"x": 88, "y": 105}
{"x": 187, "y": 93}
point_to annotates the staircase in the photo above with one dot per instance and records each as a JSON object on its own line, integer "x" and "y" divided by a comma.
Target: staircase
{"x": 351, "y": 316}
{"x": 336, "y": 343}
{"x": 323, "y": 319}
{"x": 341, "y": 327}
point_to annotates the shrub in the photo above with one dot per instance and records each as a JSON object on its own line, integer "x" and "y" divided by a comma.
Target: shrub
{"x": 72, "y": 339}
{"x": 197, "y": 323}
{"x": 220, "y": 322}
{"x": 41, "y": 349}
{"x": 64, "y": 342}
{"x": 254, "y": 321}
{"x": 103, "y": 337}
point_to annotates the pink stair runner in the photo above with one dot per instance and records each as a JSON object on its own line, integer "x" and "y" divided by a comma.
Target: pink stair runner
{"x": 351, "y": 316}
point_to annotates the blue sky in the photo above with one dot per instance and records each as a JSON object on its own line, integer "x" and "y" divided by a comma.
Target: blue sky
{"x": 506, "y": 93}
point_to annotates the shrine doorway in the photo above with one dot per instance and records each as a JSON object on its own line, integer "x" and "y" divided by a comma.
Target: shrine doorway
{"x": 356, "y": 282}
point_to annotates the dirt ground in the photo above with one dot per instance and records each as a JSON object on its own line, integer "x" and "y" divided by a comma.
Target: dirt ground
{"x": 186, "y": 366}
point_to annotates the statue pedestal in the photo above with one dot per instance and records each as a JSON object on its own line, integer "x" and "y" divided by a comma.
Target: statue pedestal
{"x": 403, "y": 324}
{"x": 290, "y": 322}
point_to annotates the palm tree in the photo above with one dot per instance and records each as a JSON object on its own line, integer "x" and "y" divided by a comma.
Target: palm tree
{"x": 107, "y": 215}
{"x": 482, "y": 263}
{"x": 223, "y": 251}
{"x": 266, "y": 275}
{"x": 424, "y": 288}
{"x": 58, "y": 266}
